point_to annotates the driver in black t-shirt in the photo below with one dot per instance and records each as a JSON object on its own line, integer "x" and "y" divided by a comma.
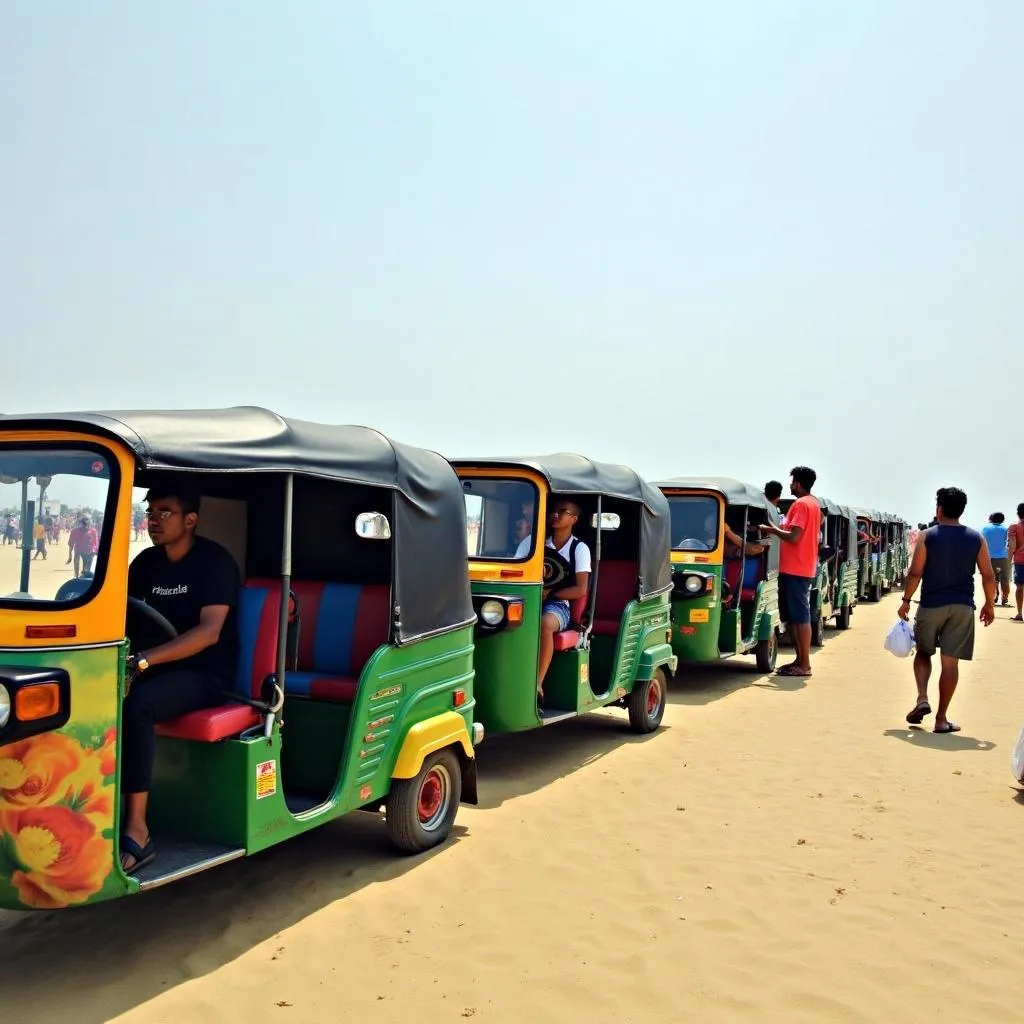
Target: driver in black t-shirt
{"x": 193, "y": 582}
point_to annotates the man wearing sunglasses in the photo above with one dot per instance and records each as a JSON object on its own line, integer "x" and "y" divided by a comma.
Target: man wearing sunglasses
{"x": 555, "y": 611}
{"x": 193, "y": 582}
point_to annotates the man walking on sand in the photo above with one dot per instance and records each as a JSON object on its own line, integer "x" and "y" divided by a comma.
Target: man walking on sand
{"x": 798, "y": 566}
{"x": 1015, "y": 552}
{"x": 995, "y": 535}
{"x": 943, "y": 565}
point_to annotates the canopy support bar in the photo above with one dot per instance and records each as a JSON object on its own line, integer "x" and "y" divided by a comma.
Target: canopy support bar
{"x": 282, "y": 626}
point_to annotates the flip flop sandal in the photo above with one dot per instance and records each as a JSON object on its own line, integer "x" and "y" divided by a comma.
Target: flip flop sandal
{"x": 921, "y": 709}
{"x": 791, "y": 672}
{"x": 947, "y": 727}
{"x": 142, "y": 855}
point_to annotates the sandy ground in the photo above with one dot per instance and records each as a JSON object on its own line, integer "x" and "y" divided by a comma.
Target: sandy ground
{"x": 782, "y": 851}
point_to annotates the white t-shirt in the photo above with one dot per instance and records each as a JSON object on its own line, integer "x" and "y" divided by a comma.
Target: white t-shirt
{"x": 583, "y": 562}
{"x": 524, "y": 547}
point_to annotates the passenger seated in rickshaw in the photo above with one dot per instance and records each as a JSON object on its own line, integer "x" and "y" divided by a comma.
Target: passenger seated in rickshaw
{"x": 735, "y": 547}
{"x": 193, "y": 582}
{"x": 523, "y": 537}
{"x": 555, "y": 611}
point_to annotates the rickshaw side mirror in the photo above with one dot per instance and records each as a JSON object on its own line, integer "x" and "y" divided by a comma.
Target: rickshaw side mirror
{"x": 373, "y": 526}
{"x": 609, "y": 521}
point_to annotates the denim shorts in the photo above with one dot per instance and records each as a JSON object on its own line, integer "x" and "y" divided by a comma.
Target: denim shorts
{"x": 795, "y": 599}
{"x": 1018, "y": 573}
{"x": 558, "y": 608}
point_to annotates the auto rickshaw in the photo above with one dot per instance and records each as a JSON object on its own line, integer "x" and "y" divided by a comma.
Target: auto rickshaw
{"x": 617, "y": 649}
{"x": 838, "y": 559}
{"x": 899, "y": 551}
{"x": 870, "y": 579}
{"x": 369, "y": 660}
{"x": 724, "y": 602}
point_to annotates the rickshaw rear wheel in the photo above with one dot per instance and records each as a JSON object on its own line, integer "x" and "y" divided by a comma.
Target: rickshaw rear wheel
{"x": 647, "y": 703}
{"x": 421, "y": 811}
{"x": 876, "y": 592}
{"x": 767, "y": 652}
{"x": 843, "y": 619}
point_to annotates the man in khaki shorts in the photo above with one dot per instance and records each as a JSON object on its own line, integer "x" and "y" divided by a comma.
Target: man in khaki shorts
{"x": 943, "y": 565}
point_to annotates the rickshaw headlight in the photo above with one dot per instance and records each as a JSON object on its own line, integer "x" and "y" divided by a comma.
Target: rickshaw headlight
{"x": 5, "y": 706}
{"x": 492, "y": 612}
{"x": 693, "y": 584}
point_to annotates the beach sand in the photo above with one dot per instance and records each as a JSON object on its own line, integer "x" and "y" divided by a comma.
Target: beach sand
{"x": 781, "y": 851}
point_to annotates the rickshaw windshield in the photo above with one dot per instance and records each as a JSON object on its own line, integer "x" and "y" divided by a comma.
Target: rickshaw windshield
{"x": 694, "y": 522}
{"x": 501, "y": 518}
{"x": 54, "y": 500}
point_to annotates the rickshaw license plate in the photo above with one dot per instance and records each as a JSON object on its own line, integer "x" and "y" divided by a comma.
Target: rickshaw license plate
{"x": 699, "y": 615}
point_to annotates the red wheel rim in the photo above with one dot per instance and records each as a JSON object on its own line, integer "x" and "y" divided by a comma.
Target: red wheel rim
{"x": 431, "y": 796}
{"x": 653, "y": 697}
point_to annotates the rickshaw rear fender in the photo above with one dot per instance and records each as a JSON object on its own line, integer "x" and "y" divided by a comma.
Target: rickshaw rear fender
{"x": 653, "y": 658}
{"x": 424, "y": 738}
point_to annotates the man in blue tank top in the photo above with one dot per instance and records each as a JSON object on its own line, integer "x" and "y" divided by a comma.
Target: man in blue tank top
{"x": 944, "y": 563}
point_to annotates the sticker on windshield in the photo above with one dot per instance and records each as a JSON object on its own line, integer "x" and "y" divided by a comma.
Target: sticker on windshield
{"x": 266, "y": 779}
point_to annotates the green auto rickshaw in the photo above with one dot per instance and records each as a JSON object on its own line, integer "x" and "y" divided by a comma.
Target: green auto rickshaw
{"x": 838, "y": 587}
{"x": 617, "y": 647}
{"x": 870, "y": 577}
{"x": 724, "y": 601}
{"x": 368, "y": 658}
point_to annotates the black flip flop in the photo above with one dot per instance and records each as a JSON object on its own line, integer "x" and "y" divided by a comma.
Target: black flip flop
{"x": 142, "y": 855}
{"x": 917, "y": 716}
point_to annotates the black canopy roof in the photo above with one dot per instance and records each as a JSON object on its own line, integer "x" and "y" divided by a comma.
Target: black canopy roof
{"x": 735, "y": 492}
{"x": 567, "y": 474}
{"x": 431, "y": 586}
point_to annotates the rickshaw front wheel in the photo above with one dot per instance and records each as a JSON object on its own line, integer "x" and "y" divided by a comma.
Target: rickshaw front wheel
{"x": 421, "y": 811}
{"x": 647, "y": 703}
{"x": 843, "y": 622}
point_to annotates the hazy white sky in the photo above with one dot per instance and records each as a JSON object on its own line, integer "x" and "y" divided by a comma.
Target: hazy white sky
{"x": 696, "y": 238}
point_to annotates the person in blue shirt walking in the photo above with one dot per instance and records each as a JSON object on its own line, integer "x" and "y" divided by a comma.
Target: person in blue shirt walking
{"x": 995, "y": 537}
{"x": 943, "y": 565}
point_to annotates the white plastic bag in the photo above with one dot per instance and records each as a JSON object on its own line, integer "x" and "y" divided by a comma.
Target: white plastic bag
{"x": 1018, "y": 759}
{"x": 900, "y": 639}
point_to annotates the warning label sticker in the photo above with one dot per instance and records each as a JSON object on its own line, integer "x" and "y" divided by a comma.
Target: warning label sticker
{"x": 266, "y": 779}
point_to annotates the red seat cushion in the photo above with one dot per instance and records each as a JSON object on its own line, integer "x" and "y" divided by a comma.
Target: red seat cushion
{"x": 748, "y": 594}
{"x": 566, "y": 640}
{"x": 211, "y": 724}
{"x": 341, "y": 689}
{"x": 257, "y": 618}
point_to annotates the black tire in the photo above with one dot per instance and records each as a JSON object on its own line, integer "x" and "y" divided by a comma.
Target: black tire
{"x": 647, "y": 703}
{"x": 843, "y": 619}
{"x": 876, "y": 592}
{"x": 767, "y": 652}
{"x": 421, "y": 811}
{"x": 818, "y": 631}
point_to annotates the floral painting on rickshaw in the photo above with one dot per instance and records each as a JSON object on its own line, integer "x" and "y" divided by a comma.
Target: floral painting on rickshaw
{"x": 58, "y": 792}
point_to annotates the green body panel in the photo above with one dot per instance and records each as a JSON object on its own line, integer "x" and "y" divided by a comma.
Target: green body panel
{"x": 869, "y": 573}
{"x": 505, "y": 660}
{"x": 829, "y": 596}
{"x": 65, "y": 782}
{"x": 208, "y": 791}
{"x": 578, "y": 680}
{"x": 725, "y": 632}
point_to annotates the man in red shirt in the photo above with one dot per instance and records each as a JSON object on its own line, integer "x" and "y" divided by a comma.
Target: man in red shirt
{"x": 798, "y": 566}
{"x": 1015, "y": 551}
